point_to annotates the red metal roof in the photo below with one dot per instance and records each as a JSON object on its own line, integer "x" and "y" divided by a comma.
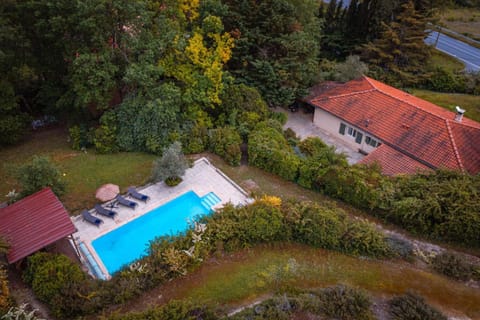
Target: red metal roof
{"x": 34, "y": 222}
{"x": 418, "y": 129}
{"x": 393, "y": 162}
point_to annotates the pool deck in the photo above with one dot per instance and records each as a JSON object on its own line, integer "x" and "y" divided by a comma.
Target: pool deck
{"x": 202, "y": 178}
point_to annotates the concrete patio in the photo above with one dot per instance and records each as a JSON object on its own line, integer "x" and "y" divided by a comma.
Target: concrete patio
{"x": 202, "y": 178}
{"x": 302, "y": 124}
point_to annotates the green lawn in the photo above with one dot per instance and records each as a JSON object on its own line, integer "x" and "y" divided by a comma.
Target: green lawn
{"x": 83, "y": 172}
{"x": 246, "y": 276}
{"x": 444, "y": 61}
{"x": 468, "y": 102}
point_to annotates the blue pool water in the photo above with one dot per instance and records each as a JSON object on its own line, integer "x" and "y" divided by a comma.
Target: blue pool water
{"x": 129, "y": 242}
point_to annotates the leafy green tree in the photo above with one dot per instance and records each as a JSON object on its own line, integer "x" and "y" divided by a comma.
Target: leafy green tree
{"x": 171, "y": 166}
{"x": 400, "y": 50}
{"x": 38, "y": 174}
{"x": 13, "y": 122}
{"x": 351, "y": 69}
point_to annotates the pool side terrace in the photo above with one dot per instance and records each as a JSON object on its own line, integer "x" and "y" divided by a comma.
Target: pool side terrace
{"x": 202, "y": 178}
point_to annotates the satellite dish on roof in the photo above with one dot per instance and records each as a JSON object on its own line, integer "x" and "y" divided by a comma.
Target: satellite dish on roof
{"x": 460, "y": 110}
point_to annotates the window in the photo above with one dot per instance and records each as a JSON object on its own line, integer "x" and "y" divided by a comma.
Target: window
{"x": 342, "y": 128}
{"x": 371, "y": 142}
{"x": 352, "y": 132}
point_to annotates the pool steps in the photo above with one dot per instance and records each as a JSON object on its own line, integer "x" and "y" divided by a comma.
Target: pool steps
{"x": 209, "y": 200}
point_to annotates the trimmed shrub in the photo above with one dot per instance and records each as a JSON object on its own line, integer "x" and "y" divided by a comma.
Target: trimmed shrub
{"x": 226, "y": 142}
{"x": 453, "y": 266}
{"x": 413, "y": 307}
{"x": 38, "y": 174}
{"x": 344, "y": 302}
{"x": 269, "y": 150}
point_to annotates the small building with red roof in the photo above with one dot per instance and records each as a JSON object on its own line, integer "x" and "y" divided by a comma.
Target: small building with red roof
{"x": 402, "y": 133}
{"x": 33, "y": 223}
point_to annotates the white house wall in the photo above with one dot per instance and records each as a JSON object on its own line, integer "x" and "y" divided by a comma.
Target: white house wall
{"x": 330, "y": 123}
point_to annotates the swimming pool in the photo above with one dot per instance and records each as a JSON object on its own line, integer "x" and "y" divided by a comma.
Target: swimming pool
{"x": 129, "y": 242}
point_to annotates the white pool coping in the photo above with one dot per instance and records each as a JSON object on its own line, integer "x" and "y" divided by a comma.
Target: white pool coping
{"x": 202, "y": 178}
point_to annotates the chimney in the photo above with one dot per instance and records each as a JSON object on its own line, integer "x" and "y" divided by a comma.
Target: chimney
{"x": 459, "y": 115}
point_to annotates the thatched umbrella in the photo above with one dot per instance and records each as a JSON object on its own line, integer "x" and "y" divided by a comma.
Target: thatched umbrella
{"x": 107, "y": 192}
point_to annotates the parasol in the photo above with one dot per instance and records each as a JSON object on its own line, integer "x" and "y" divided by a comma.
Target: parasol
{"x": 107, "y": 192}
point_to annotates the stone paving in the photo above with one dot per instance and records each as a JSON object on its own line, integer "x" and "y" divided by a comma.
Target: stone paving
{"x": 302, "y": 124}
{"x": 202, "y": 178}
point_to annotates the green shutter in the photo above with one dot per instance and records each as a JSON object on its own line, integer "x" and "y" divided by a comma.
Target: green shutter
{"x": 342, "y": 128}
{"x": 359, "y": 137}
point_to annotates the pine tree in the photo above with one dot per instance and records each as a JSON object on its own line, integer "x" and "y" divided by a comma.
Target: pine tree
{"x": 400, "y": 49}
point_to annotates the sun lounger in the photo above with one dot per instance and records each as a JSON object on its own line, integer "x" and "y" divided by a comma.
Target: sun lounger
{"x": 132, "y": 192}
{"x": 93, "y": 220}
{"x": 105, "y": 212}
{"x": 124, "y": 202}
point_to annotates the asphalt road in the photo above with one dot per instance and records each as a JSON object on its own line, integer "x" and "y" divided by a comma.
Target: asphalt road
{"x": 470, "y": 56}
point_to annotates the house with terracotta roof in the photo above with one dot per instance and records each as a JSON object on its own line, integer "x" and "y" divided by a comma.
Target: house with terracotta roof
{"x": 402, "y": 133}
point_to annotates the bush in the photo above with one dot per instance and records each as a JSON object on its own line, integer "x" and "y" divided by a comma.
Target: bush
{"x": 280, "y": 117}
{"x": 38, "y": 174}
{"x": 268, "y": 149}
{"x": 60, "y": 283}
{"x": 242, "y": 108}
{"x": 317, "y": 226}
{"x": 360, "y": 237}
{"x": 438, "y": 205}
{"x": 345, "y": 303}
{"x": 81, "y": 137}
{"x": 195, "y": 140}
{"x": 226, "y": 142}
{"x": 413, "y": 307}
{"x": 453, "y": 265}
{"x": 400, "y": 247}
{"x": 174, "y": 310}
{"x": 171, "y": 165}
{"x": 105, "y": 139}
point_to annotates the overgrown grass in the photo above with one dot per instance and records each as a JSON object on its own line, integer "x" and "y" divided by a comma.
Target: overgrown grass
{"x": 465, "y": 21}
{"x": 468, "y": 102}
{"x": 267, "y": 269}
{"x": 444, "y": 61}
{"x": 83, "y": 172}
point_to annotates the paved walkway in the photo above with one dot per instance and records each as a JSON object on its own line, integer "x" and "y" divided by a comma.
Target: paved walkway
{"x": 302, "y": 124}
{"x": 202, "y": 178}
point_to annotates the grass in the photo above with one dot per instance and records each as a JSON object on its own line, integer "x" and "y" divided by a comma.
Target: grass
{"x": 83, "y": 172}
{"x": 444, "y": 61}
{"x": 465, "y": 21}
{"x": 262, "y": 270}
{"x": 468, "y": 102}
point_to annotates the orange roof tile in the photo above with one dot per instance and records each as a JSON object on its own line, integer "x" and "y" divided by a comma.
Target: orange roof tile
{"x": 393, "y": 162}
{"x": 419, "y": 129}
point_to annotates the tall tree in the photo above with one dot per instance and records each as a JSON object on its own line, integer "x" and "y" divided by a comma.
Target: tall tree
{"x": 277, "y": 46}
{"x": 401, "y": 49}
